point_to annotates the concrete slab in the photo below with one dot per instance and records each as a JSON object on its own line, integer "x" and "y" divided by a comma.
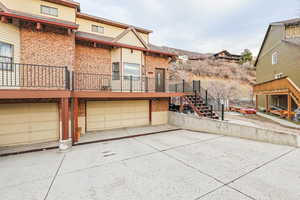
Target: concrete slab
{"x": 34, "y": 190}
{"x": 92, "y": 155}
{"x": 173, "y": 139}
{"x": 279, "y": 180}
{"x": 124, "y": 132}
{"x": 26, "y": 168}
{"x": 27, "y": 148}
{"x": 162, "y": 166}
{"x": 227, "y": 158}
{"x": 148, "y": 177}
{"x": 224, "y": 193}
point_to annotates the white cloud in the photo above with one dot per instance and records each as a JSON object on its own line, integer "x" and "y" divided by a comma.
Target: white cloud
{"x": 200, "y": 25}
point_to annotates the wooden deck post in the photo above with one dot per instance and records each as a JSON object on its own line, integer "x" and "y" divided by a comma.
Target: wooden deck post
{"x": 267, "y": 104}
{"x": 181, "y": 108}
{"x": 75, "y": 121}
{"x": 289, "y": 106}
{"x": 64, "y": 109}
{"x": 256, "y": 102}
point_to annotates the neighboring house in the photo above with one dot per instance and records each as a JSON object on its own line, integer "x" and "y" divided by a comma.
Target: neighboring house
{"x": 184, "y": 55}
{"x": 226, "y": 56}
{"x": 278, "y": 68}
{"x": 56, "y": 60}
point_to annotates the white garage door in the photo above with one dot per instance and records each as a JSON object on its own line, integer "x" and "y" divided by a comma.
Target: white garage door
{"x": 28, "y": 123}
{"x": 103, "y": 115}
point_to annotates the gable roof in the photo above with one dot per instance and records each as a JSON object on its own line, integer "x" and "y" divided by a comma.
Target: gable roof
{"x": 287, "y": 22}
{"x": 110, "y": 22}
{"x": 125, "y": 32}
{"x": 109, "y": 41}
{"x": 68, "y": 3}
{"x": 263, "y": 44}
{"x": 3, "y": 8}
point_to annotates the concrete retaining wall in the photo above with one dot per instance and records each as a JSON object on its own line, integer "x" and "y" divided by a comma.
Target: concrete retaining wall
{"x": 194, "y": 123}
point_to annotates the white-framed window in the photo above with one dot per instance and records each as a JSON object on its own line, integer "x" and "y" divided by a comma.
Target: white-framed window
{"x": 116, "y": 71}
{"x": 47, "y": 10}
{"x": 132, "y": 69}
{"x": 274, "y": 58}
{"x": 6, "y": 55}
{"x": 278, "y": 76}
{"x": 6, "y": 52}
{"x": 97, "y": 29}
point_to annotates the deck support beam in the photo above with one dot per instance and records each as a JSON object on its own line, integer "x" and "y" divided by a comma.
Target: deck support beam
{"x": 64, "y": 114}
{"x": 289, "y": 106}
{"x": 75, "y": 120}
{"x": 267, "y": 103}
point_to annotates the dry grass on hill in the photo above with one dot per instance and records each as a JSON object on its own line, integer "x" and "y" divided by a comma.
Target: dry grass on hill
{"x": 223, "y": 80}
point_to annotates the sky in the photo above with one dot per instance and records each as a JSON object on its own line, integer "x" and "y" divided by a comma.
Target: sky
{"x": 205, "y": 26}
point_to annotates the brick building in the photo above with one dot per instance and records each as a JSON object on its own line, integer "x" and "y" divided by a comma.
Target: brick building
{"x": 65, "y": 73}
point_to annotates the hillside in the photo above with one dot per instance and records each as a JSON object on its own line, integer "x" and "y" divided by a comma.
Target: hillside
{"x": 222, "y": 79}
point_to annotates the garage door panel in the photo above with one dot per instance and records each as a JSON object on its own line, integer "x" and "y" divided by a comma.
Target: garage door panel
{"x": 13, "y": 139}
{"x": 28, "y": 123}
{"x": 117, "y": 114}
{"x": 113, "y": 124}
{"x": 45, "y": 136}
{"x": 96, "y": 118}
{"x": 111, "y": 117}
{"x": 141, "y": 122}
{"x": 14, "y": 128}
{"x": 96, "y": 126}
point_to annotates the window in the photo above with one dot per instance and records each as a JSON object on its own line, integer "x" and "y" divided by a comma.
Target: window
{"x": 97, "y": 29}
{"x": 49, "y": 10}
{"x": 278, "y": 76}
{"x": 274, "y": 58}
{"x": 132, "y": 69}
{"x": 116, "y": 71}
{"x": 6, "y": 55}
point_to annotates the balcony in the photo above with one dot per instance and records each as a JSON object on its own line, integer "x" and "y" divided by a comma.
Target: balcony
{"x": 43, "y": 78}
{"x": 33, "y": 77}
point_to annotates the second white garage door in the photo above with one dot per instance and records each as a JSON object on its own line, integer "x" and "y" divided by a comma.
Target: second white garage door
{"x": 103, "y": 115}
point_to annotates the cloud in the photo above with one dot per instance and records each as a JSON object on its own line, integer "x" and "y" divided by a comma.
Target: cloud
{"x": 199, "y": 25}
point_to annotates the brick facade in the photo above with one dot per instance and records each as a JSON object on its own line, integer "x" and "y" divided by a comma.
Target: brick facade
{"x": 153, "y": 62}
{"x": 92, "y": 60}
{"x": 47, "y": 47}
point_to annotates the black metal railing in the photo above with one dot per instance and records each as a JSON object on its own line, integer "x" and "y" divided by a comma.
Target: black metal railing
{"x": 31, "y": 76}
{"x": 107, "y": 82}
{"x": 15, "y": 75}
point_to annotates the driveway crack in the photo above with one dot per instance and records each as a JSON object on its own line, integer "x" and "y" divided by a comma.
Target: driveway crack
{"x": 54, "y": 177}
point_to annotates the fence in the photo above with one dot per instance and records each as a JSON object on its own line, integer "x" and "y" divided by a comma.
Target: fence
{"x": 15, "y": 75}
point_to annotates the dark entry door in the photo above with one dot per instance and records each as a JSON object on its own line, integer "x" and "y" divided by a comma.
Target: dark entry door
{"x": 160, "y": 80}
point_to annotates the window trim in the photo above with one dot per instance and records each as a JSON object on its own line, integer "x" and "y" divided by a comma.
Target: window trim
{"x": 12, "y": 58}
{"x": 274, "y": 58}
{"x": 43, "y": 6}
{"x": 97, "y": 26}
{"x": 128, "y": 76}
{"x": 116, "y": 78}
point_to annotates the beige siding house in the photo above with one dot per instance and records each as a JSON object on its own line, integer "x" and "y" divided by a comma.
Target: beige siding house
{"x": 278, "y": 69}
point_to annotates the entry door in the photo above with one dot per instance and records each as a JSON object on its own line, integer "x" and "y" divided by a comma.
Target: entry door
{"x": 160, "y": 80}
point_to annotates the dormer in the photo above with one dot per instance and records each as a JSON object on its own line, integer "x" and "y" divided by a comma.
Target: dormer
{"x": 108, "y": 28}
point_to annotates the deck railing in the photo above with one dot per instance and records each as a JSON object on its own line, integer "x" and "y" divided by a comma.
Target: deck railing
{"x": 30, "y": 76}
{"x": 109, "y": 83}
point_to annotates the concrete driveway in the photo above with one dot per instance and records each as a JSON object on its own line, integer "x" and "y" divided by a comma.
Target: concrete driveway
{"x": 178, "y": 165}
